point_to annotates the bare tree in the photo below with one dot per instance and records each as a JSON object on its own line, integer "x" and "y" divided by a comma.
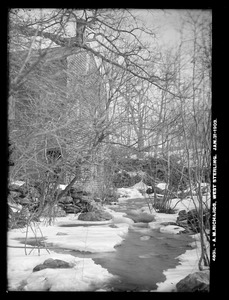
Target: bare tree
{"x": 196, "y": 115}
{"x": 96, "y": 31}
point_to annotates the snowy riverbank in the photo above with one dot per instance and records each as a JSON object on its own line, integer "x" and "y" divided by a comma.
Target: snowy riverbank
{"x": 85, "y": 275}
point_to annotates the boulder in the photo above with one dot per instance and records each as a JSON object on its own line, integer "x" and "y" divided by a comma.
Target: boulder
{"x": 134, "y": 212}
{"x": 72, "y": 209}
{"x": 182, "y": 215}
{"x": 113, "y": 226}
{"x": 195, "y": 282}
{"x": 95, "y": 216}
{"x": 86, "y": 198}
{"x": 55, "y": 211}
{"x": 142, "y": 218}
{"x": 53, "y": 264}
{"x": 168, "y": 223}
{"x": 121, "y": 219}
{"x": 193, "y": 221}
{"x": 76, "y": 200}
{"x": 192, "y": 218}
{"x": 150, "y": 191}
{"x": 190, "y": 221}
{"x": 67, "y": 199}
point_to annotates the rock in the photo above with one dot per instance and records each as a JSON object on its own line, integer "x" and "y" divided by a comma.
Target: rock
{"x": 55, "y": 211}
{"x": 134, "y": 212}
{"x": 183, "y": 223}
{"x": 67, "y": 199}
{"x": 141, "y": 225}
{"x": 121, "y": 219}
{"x": 98, "y": 200}
{"x": 142, "y": 218}
{"x": 86, "y": 198}
{"x": 190, "y": 221}
{"x": 53, "y": 264}
{"x": 95, "y": 216}
{"x": 182, "y": 214}
{"x": 168, "y": 223}
{"x": 150, "y": 191}
{"x": 72, "y": 209}
{"x": 195, "y": 282}
{"x": 113, "y": 226}
{"x": 192, "y": 218}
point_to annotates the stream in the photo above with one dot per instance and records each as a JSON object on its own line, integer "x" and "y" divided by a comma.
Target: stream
{"x": 142, "y": 257}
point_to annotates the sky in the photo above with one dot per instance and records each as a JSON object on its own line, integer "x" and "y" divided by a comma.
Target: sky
{"x": 165, "y": 23}
{"x": 168, "y": 22}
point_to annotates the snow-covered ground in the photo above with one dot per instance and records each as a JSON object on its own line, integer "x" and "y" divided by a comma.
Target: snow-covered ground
{"x": 188, "y": 265}
{"x": 85, "y": 275}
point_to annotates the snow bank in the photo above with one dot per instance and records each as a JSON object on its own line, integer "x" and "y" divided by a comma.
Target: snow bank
{"x": 188, "y": 265}
{"x": 84, "y": 275}
{"x": 91, "y": 238}
{"x": 189, "y": 204}
{"x": 171, "y": 229}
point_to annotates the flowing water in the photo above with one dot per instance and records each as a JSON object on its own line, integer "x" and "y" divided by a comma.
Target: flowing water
{"x": 142, "y": 257}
